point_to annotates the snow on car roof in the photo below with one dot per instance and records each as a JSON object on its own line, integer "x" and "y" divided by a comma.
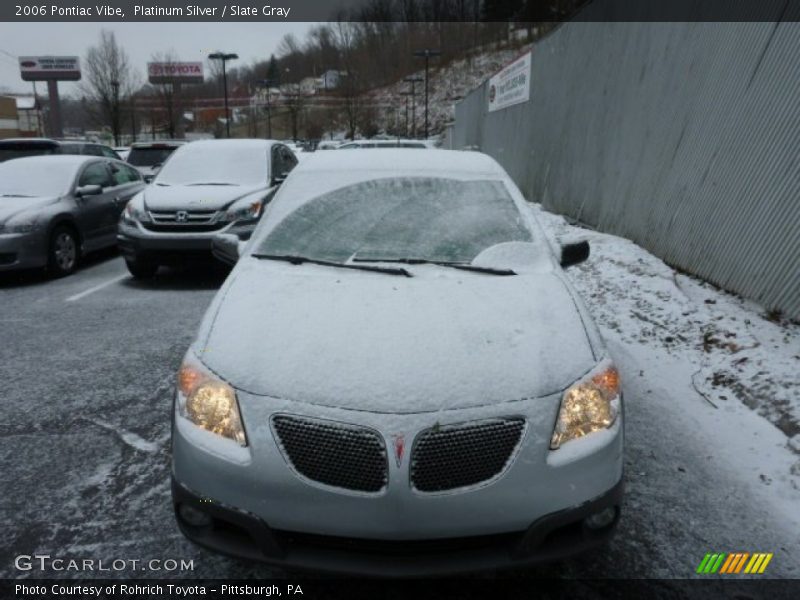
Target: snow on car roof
{"x": 62, "y": 159}
{"x": 443, "y": 162}
{"x": 239, "y": 143}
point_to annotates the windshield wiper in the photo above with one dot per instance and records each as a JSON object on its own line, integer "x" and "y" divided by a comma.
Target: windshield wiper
{"x": 441, "y": 263}
{"x": 16, "y": 196}
{"x": 299, "y": 260}
{"x": 211, "y": 183}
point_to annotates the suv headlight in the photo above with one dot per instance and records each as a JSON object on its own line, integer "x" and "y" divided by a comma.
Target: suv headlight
{"x": 244, "y": 211}
{"x": 589, "y": 405}
{"x": 209, "y": 402}
{"x": 134, "y": 213}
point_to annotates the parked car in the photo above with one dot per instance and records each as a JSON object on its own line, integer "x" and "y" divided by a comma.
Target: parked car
{"x": 204, "y": 188}
{"x": 56, "y": 209}
{"x": 358, "y": 144}
{"x": 397, "y": 378}
{"x": 22, "y": 147}
{"x": 328, "y": 145}
{"x": 148, "y": 157}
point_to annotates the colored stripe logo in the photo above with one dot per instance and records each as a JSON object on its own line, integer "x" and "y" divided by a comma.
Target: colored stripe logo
{"x": 734, "y": 563}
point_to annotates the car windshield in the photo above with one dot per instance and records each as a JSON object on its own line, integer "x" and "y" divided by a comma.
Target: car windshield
{"x": 20, "y": 178}
{"x": 215, "y": 164}
{"x": 420, "y": 218}
{"x": 148, "y": 157}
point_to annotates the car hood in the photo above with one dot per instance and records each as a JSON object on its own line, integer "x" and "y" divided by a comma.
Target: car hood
{"x": 11, "y": 207}
{"x": 195, "y": 197}
{"x": 443, "y": 339}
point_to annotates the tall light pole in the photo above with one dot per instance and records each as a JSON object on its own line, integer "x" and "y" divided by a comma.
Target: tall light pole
{"x": 225, "y": 57}
{"x": 406, "y": 94}
{"x": 115, "y": 124}
{"x": 426, "y": 53}
{"x": 413, "y": 81}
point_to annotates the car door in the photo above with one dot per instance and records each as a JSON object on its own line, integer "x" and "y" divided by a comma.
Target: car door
{"x": 96, "y": 215}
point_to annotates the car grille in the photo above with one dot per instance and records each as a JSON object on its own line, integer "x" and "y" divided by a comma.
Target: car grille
{"x": 456, "y": 456}
{"x": 185, "y": 220}
{"x": 336, "y": 454}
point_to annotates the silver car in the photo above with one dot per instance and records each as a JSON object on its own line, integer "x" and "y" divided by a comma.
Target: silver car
{"x": 54, "y": 209}
{"x": 204, "y": 188}
{"x": 397, "y": 378}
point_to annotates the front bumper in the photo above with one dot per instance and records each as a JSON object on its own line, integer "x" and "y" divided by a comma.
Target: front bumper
{"x": 263, "y": 510}
{"x": 138, "y": 243}
{"x": 556, "y": 536}
{"x": 23, "y": 250}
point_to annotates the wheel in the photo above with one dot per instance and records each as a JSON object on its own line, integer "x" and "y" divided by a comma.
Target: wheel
{"x": 63, "y": 251}
{"x": 141, "y": 269}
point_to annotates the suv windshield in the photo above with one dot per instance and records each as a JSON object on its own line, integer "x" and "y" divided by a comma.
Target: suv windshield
{"x": 219, "y": 164}
{"x": 148, "y": 157}
{"x": 432, "y": 219}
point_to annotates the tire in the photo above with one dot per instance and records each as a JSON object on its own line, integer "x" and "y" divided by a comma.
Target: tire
{"x": 141, "y": 269}
{"x": 63, "y": 252}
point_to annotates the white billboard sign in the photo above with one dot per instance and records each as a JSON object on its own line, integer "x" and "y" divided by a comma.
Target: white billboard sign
{"x": 512, "y": 85}
{"x": 43, "y": 68}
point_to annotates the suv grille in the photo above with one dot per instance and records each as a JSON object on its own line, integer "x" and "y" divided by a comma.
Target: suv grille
{"x": 455, "y": 456}
{"x": 184, "y": 220}
{"x": 336, "y": 454}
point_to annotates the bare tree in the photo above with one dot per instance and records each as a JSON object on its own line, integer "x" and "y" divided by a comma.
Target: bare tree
{"x": 294, "y": 100}
{"x": 168, "y": 95}
{"x": 107, "y": 79}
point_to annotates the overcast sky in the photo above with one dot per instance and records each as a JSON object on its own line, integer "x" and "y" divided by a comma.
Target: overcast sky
{"x": 191, "y": 42}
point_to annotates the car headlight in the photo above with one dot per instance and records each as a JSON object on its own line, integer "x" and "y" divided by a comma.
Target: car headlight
{"x": 20, "y": 227}
{"x": 589, "y": 405}
{"x": 134, "y": 213}
{"x": 247, "y": 211}
{"x": 209, "y": 402}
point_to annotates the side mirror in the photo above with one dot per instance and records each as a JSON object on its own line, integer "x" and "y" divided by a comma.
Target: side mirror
{"x": 89, "y": 190}
{"x": 226, "y": 247}
{"x": 572, "y": 254}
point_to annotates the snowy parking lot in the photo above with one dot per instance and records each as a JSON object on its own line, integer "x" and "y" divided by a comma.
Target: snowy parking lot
{"x": 712, "y": 406}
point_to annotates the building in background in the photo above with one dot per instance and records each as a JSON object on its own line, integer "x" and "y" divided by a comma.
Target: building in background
{"x": 9, "y": 121}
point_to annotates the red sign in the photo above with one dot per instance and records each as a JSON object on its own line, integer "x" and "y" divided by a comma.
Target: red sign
{"x": 175, "y": 72}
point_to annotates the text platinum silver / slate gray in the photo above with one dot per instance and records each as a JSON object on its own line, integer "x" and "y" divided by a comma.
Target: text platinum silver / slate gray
{"x": 398, "y": 379}
{"x": 55, "y": 209}
{"x": 204, "y": 188}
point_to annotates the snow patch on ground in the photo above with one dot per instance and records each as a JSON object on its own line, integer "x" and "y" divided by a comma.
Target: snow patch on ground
{"x": 728, "y": 368}
{"x": 131, "y": 439}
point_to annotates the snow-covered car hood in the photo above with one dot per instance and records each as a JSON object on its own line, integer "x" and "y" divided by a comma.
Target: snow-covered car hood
{"x": 195, "y": 197}
{"x": 10, "y": 207}
{"x": 365, "y": 341}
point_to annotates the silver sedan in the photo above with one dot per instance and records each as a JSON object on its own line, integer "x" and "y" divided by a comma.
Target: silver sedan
{"x": 55, "y": 209}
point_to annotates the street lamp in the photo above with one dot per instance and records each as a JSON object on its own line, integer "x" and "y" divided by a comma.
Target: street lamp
{"x": 427, "y": 53}
{"x": 413, "y": 81}
{"x": 225, "y": 57}
{"x": 115, "y": 112}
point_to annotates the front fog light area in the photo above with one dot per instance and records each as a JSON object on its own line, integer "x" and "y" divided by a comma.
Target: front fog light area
{"x": 193, "y": 516}
{"x": 588, "y": 406}
{"x": 602, "y": 519}
{"x": 209, "y": 403}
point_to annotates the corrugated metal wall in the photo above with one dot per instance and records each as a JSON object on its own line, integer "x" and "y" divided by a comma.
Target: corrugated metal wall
{"x": 684, "y": 137}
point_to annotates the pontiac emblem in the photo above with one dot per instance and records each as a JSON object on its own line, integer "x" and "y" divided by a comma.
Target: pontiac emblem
{"x": 399, "y": 443}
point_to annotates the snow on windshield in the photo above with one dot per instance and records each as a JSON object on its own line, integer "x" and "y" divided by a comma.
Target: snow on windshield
{"x": 215, "y": 163}
{"x": 396, "y": 218}
{"x": 31, "y": 177}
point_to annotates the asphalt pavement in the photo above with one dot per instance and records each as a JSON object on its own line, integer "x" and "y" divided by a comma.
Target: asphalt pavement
{"x": 87, "y": 366}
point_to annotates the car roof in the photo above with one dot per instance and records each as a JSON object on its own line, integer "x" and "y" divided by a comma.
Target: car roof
{"x": 158, "y": 143}
{"x": 68, "y": 159}
{"x": 442, "y": 162}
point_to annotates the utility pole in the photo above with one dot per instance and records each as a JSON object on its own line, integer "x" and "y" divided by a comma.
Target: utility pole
{"x": 413, "y": 81}
{"x": 267, "y": 83}
{"x": 406, "y": 94}
{"x": 427, "y": 53}
{"x": 115, "y": 124}
{"x": 225, "y": 57}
